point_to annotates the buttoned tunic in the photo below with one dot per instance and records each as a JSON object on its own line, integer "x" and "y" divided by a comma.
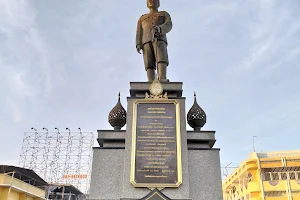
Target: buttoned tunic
{"x": 153, "y": 51}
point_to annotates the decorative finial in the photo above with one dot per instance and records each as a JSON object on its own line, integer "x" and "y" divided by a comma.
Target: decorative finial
{"x": 196, "y": 116}
{"x": 117, "y": 116}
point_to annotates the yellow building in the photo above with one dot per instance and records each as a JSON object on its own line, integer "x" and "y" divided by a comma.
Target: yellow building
{"x": 20, "y": 184}
{"x": 265, "y": 176}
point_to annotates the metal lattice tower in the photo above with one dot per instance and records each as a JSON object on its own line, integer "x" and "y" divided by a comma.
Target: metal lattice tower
{"x": 59, "y": 157}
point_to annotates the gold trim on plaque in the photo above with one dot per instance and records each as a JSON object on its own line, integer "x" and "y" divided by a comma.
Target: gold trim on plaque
{"x": 160, "y": 189}
{"x": 155, "y": 194}
{"x": 133, "y": 148}
{"x": 162, "y": 96}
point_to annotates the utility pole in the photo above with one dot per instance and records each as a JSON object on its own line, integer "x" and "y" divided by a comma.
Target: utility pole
{"x": 254, "y": 136}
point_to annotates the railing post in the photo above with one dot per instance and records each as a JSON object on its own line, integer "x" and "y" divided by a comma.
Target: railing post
{"x": 12, "y": 178}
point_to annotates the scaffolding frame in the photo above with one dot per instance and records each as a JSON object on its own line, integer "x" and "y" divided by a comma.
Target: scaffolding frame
{"x": 55, "y": 155}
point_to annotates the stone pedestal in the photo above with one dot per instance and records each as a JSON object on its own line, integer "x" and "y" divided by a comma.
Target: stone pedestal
{"x": 201, "y": 174}
{"x": 108, "y": 166}
{"x": 204, "y": 166}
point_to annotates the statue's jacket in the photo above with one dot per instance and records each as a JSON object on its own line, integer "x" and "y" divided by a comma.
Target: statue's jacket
{"x": 145, "y": 25}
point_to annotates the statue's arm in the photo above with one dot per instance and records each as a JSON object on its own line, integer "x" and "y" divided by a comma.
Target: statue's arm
{"x": 139, "y": 34}
{"x": 166, "y": 27}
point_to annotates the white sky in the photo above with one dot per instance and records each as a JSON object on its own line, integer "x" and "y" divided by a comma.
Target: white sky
{"x": 62, "y": 64}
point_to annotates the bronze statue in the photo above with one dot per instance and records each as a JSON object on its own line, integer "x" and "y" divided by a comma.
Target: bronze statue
{"x": 151, "y": 38}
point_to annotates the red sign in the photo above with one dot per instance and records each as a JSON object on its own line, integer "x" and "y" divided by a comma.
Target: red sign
{"x": 75, "y": 176}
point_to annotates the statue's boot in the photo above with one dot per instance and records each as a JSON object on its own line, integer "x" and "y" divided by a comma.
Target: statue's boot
{"x": 151, "y": 75}
{"x": 162, "y": 72}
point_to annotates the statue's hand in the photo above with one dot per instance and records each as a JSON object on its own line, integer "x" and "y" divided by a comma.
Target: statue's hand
{"x": 156, "y": 31}
{"x": 138, "y": 49}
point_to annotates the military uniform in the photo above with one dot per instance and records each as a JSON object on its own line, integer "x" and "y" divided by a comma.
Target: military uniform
{"x": 144, "y": 38}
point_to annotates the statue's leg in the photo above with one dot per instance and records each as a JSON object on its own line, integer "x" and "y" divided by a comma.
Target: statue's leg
{"x": 149, "y": 61}
{"x": 151, "y": 75}
{"x": 162, "y": 59}
{"x": 162, "y": 72}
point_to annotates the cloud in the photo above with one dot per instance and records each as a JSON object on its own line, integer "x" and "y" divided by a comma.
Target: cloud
{"x": 62, "y": 63}
{"x": 15, "y": 14}
{"x": 16, "y": 113}
{"x": 26, "y": 58}
{"x": 271, "y": 39}
{"x": 258, "y": 54}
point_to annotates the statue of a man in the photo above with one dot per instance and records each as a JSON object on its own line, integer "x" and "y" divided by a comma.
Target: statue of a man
{"x": 151, "y": 38}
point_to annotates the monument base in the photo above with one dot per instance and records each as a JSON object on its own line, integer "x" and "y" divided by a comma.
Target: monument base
{"x": 108, "y": 166}
{"x": 201, "y": 171}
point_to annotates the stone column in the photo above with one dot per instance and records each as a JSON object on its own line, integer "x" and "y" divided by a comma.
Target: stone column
{"x": 137, "y": 91}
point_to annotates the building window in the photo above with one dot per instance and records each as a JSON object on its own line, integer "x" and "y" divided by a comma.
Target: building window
{"x": 266, "y": 176}
{"x": 274, "y": 176}
{"x": 233, "y": 189}
{"x": 283, "y": 176}
{"x": 249, "y": 177}
{"x": 292, "y": 175}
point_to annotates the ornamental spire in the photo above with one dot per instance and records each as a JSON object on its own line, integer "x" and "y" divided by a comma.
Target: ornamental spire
{"x": 117, "y": 116}
{"x": 196, "y": 116}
